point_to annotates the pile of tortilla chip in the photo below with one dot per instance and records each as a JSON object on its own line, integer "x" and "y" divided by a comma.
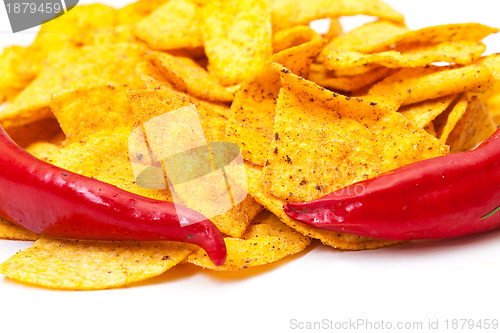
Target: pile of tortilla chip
{"x": 311, "y": 112}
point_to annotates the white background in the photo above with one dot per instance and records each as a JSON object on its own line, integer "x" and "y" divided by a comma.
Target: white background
{"x": 416, "y": 282}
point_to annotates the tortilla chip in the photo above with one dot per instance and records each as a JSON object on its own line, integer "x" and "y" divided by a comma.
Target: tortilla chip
{"x": 69, "y": 69}
{"x": 188, "y": 76}
{"x": 55, "y": 35}
{"x": 149, "y": 103}
{"x": 258, "y": 190}
{"x": 289, "y": 13}
{"x": 324, "y": 141}
{"x": 174, "y": 25}
{"x": 137, "y": 11}
{"x": 493, "y": 106}
{"x": 106, "y": 35}
{"x": 13, "y": 232}
{"x": 413, "y": 85}
{"x": 41, "y": 130}
{"x": 294, "y": 36}
{"x": 334, "y": 30}
{"x": 423, "y": 113}
{"x": 431, "y": 129}
{"x": 447, "y": 121}
{"x": 364, "y": 38}
{"x": 237, "y": 37}
{"x": 267, "y": 240}
{"x": 11, "y": 80}
{"x": 92, "y": 265}
{"x": 320, "y": 75}
{"x": 460, "y": 52}
{"x": 475, "y": 126}
{"x": 252, "y": 118}
{"x": 43, "y": 150}
{"x": 151, "y": 76}
{"x": 86, "y": 110}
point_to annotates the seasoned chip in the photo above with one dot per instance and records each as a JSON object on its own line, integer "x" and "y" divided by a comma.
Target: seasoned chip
{"x": 267, "y": 240}
{"x": 475, "y": 126}
{"x": 41, "y": 130}
{"x": 289, "y": 13}
{"x": 147, "y": 104}
{"x": 56, "y": 34}
{"x": 237, "y": 38}
{"x": 11, "y": 80}
{"x": 174, "y": 25}
{"x": 151, "y": 76}
{"x": 324, "y": 141}
{"x": 137, "y": 11}
{"x": 342, "y": 241}
{"x": 69, "y": 69}
{"x": 334, "y": 30}
{"x": 252, "y": 118}
{"x": 188, "y": 76}
{"x": 294, "y": 36}
{"x": 43, "y": 150}
{"x": 347, "y": 83}
{"x": 413, "y": 85}
{"x": 11, "y": 231}
{"x": 447, "y": 121}
{"x": 365, "y": 38}
{"x": 461, "y": 53}
{"x": 423, "y": 113}
{"x": 106, "y": 35}
{"x": 91, "y": 265}
{"x": 83, "y": 111}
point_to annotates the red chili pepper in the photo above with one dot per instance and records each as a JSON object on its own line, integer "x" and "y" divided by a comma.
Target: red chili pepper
{"x": 55, "y": 202}
{"x": 442, "y": 197}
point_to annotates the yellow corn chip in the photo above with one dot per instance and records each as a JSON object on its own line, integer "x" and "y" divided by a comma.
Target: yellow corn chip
{"x": 137, "y": 11}
{"x": 413, "y": 85}
{"x": 431, "y": 129}
{"x": 237, "y": 38}
{"x": 11, "y": 80}
{"x": 56, "y": 34}
{"x": 69, "y": 69}
{"x": 460, "y": 52}
{"x": 324, "y": 141}
{"x": 294, "y": 36}
{"x": 289, "y": 13}
{"x": 251, "y": 123}
{"x": 151, "y": 76}
{"x": 41, "y": 130}
{"x": 364, "y": 38}
{"x": 91, "y": 265}
{"x": 434, "y": 35}
{"x": 267, "y": 240}
{"x": 188, "y": 76}
{"x": 174, "y": 25}
{"x": 493, "y": 106}
{"x": 83, "y": 111}
{"x": 43, "y": 150}
{"x": 328, "y": 79}
{"x": 423, "y": 113}
{"x": 447, "y": 121}
{"x": 147, "y": 104}
{"x": 275, "y": 205}
{"x": 11, "y": 231}
{"x": 106, "y": 35}
{"x": 334, "y": 30}
{"x": 475, "y": 126}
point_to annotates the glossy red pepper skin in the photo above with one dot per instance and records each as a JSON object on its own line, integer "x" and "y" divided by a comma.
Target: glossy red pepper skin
{"x": 55, "y": 202}
{"x": 442, "y": 197}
